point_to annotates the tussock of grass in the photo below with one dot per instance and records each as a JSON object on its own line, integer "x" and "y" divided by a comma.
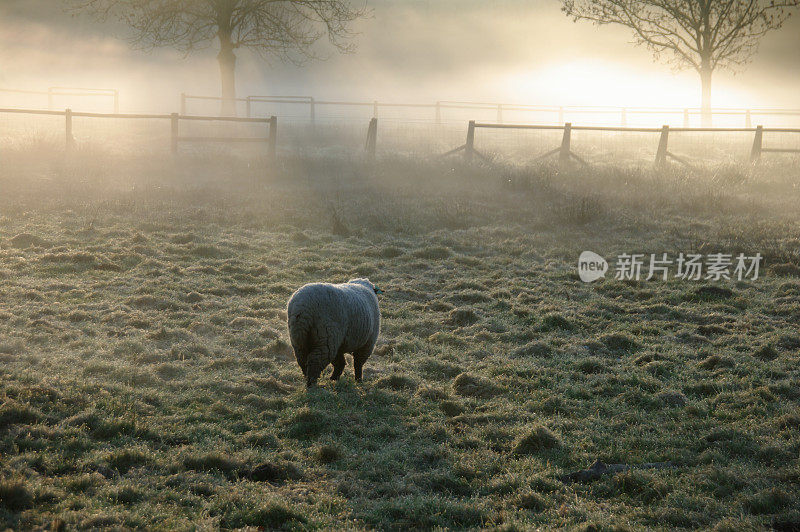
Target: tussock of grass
{"x": 327, "y": 454}
{"x": 438, "y": 369}
{"x": 433, "y": 253}
{"x": 270, "y": 516}
{"x": 126, "y": 459}
{"x": 12, "y": 413}
{"x": 556, "y": 321}
{"x": 713, "y": 362}
{"x": 672, "y": 398}
{"x": 306, "y": 424}
{"x": 14, "y": 495}
{"x": 211, "y": 462}
{"x": 789, "y": 341}
{"x": 462, "y": 317}
{"x": 274, "y": 472}
{"x": 766, "y": 352}
{"x": 768, "y": 501}
{"x": 534, "y": 349}
{"x": 536, "y": 440}
{"x": 711, "y": 292}
{"x": 473, "y": 386}
{"x": 789, "y": 421}
{"x": 27, "y": 240}
{"x": 451, "y": 408}
{"x": 468, "y": 297}
{"x": 591, "y": 365}
{"x": 618, "y": 342}
{"x": 531, "y": 501}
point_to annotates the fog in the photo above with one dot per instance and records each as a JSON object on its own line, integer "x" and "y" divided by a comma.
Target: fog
{"x": 518, "y": 51}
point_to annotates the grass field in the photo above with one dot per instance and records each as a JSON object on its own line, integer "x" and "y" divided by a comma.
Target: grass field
{"x": 146, "y": 380}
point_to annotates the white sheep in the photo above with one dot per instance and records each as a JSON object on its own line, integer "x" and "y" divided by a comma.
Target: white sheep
{"x": 328, "y": 320}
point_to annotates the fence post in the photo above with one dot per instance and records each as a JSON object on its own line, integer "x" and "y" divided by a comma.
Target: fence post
{"x": 661, "y": 154}
{"x": 566, "y": 140}
{"x": 183, "y": 103}
{"x": 624, "y": 117}
{"x": 375, "y": 109}
{"x": 116, "y": 102}
{"x": 748, "y": 122}
{"x": 755, "y": 153}
{"x": 469, "y": 147}
{"x": 273, "y": 136}
{"x": 70, "y": 140}
{"x": 500, "y": 113}
{"x": 685, "y": 118}
{"x": 249, "y": 107}
{"x": 174, "y": 136}
{"x": 439, "y": 113}
{"x": 372, "y": 137}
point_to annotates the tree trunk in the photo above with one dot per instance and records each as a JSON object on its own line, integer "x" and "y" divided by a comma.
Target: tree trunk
{"x": 227, "y": 70}
{"x": 705, "y": 111}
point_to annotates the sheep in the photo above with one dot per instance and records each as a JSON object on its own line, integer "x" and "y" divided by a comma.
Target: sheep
{"x": 328, "y": 320}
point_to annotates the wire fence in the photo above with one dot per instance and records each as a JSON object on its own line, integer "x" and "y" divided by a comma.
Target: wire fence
{"x": 314, "y": 110}
{"x": 86, "y": 99}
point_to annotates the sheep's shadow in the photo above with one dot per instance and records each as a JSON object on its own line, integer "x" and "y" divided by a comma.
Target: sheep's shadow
{"x": 365, "y": 438}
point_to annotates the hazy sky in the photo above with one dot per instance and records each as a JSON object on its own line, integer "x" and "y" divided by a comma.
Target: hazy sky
{"x": 523, "y": 51}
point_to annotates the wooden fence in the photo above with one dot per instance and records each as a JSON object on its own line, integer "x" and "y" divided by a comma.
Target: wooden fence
{"x": 558, "y": 112}
{"x": 565, "y": 153}
{"x": 270, "y": 138}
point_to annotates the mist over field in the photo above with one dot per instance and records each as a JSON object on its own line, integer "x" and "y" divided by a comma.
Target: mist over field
{"x": 501, "y": 50}
{"x": 588, "y": 305}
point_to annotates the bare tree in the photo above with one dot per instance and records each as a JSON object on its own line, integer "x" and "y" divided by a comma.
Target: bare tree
{"x": 700, "y": 34}
{"x": 286, "y": 29}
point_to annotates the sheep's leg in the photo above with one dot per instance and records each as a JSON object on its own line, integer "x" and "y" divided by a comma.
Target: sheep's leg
{"x": 338, "y": 366}
{"x": 359, "y": 357}
{"x": 358, "y": 365}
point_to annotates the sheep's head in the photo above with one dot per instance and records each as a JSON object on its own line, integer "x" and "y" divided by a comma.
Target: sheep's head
{"x": 367, "y": 283}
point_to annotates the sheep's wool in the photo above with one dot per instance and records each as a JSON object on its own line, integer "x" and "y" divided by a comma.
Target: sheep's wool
{"x": 328, "y": 320}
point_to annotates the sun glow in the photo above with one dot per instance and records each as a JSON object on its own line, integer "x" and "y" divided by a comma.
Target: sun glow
{"x": 593, "y": 83}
